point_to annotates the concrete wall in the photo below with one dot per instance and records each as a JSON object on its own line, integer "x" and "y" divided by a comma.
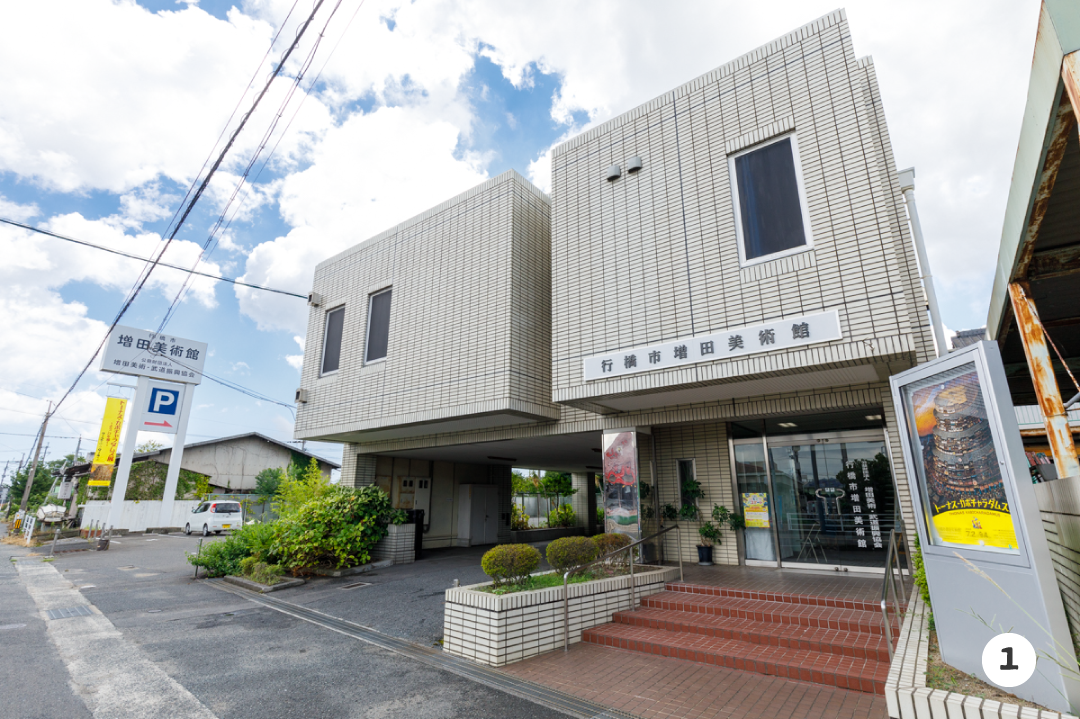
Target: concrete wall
{"x": 470, "y": 329}
{"x": 235, "y": 464}
{"x": 137, "y": 516}
{"x": 653, "y": 256}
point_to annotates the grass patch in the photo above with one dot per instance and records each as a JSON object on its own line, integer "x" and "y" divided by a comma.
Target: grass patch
{"x": 940, "y": 675}
{"x": 554, "y": 579}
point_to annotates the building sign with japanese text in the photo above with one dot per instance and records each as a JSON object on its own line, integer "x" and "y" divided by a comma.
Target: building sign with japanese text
{"x": 150, "y": 354}
{"x": 765, "y": 337}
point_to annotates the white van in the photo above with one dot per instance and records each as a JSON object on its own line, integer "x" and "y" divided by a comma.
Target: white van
{"x": 216, "y": 517}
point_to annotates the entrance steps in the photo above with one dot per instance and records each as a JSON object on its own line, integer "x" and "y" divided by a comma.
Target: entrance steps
{"x": 815, "y": 639}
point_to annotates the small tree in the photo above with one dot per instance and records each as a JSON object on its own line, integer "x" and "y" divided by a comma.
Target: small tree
{"x": 268, "y": 481}
{"x": 150, "y": 445}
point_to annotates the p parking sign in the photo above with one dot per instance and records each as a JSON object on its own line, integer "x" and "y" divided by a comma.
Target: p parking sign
{"x": 161, "y": 407}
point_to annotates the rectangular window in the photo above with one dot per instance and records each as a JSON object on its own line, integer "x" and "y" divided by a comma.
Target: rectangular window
{"x": 771, "y": 216}
{"x": 331, "y": 357}
{"x": 378, "y": 330}
{"x": 688, "y": 485}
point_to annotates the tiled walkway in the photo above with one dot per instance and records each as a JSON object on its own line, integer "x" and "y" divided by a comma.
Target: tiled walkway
{"x": 662, "y": 688}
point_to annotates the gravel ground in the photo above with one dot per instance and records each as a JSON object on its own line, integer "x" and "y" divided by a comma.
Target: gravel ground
{"x": 242, "y": 660}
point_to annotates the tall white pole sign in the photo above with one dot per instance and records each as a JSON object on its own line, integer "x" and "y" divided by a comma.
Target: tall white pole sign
{"x": 168, "y": 369}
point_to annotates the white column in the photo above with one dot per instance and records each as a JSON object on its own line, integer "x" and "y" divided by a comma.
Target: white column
{"x": 131, "y": 438}
{"x": 907, "y": 187}
{"x": 173, "y": 477}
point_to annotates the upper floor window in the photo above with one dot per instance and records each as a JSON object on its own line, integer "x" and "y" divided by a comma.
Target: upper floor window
{"x": 378, "y": 329}
{"x": 771, "y": 216}
{"x": 331, "y": 355}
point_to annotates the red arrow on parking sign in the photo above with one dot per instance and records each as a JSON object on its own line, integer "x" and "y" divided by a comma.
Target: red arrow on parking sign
{"x": 157, "y": 424}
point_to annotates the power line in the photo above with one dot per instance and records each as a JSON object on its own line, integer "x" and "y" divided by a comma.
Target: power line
{"x": 146, "y": 259}
{"x": 210, "y": 244}
{"x": 141, "y": 282}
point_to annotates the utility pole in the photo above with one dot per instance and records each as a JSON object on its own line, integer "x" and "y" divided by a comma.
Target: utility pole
{"x": 75, "y": 459}
{"x": 907, "y": 187}
{"x": 34, "y": 464}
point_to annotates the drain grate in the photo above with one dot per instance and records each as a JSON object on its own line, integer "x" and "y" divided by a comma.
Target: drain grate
{"x": 354, "y": 585}
{"x": 80, "y": 611}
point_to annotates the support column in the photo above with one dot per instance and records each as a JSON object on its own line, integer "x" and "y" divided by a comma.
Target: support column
{"x": 1046, "y": 386}
{"x": 584, "y": 502}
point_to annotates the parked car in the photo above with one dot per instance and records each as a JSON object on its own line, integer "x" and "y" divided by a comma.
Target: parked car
{"x": 216, "y": 517}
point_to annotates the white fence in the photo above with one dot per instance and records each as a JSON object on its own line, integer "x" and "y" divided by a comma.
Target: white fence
{"x": 137, "y": 516}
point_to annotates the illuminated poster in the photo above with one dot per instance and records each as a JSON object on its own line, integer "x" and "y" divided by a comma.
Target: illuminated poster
{"x": 957, "y": 467}
{"x": 756, "y": 509}
{"x": 108, "y": 441}
{"x": 621, "y": 484}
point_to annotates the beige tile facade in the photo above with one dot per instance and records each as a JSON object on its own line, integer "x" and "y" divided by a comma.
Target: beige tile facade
{"x": 650, "y": 257}
{"x": 469, "y": 327}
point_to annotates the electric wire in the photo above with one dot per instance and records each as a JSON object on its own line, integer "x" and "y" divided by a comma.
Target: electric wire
{"x": 212, "y": 238}
{"x": 141, "y": 282}
{"x": 84, "y": 243}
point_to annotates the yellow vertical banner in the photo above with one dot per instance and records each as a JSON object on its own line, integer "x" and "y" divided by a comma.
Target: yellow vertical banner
{"x": 108, "y": 441}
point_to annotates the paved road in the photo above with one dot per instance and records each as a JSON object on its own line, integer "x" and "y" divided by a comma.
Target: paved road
{"x": 207, "y": 653}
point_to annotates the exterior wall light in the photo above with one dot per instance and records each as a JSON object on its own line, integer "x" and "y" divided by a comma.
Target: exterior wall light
{"x": 633, "y": 164}
{"x": 612, "y": 173}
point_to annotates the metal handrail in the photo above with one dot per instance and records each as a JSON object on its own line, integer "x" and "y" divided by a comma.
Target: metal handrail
{"x": 575, "y": 570}
{"x": 889, "y": 582}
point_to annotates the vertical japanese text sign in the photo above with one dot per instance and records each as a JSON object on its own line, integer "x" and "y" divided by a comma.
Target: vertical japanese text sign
{"x": 108, "y": 441}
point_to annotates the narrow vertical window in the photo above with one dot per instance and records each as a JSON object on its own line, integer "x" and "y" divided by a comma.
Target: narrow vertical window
{"x": 331, "y": 356}
{"x": 771, "y": 213}
{"x": 378, "y": 330}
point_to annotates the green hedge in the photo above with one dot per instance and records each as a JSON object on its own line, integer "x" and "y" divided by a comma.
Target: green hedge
{"x": 510, "y": 563}
{"x": 569, "y": 552}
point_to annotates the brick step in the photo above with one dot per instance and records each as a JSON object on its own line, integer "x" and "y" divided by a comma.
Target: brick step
{"x": 865, "y": 675}
{"x": 803, "y": 599}
{"x": 849, "y": 620}
{"x": 808, "y": 639}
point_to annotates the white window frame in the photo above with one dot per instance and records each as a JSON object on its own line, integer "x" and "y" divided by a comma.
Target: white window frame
{"x": 734, "y": 183}
{"x": 367, "y": 329}
{"x": 322, "y": 355}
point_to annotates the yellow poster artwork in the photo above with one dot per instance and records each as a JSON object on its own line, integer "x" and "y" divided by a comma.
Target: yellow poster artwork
{"x": 108, "y": 441}
{"x": 756, "y": 509}
{"x": 963, "y": 485}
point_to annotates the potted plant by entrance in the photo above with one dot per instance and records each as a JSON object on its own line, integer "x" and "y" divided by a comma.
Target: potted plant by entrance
{"x": 709, "y": 533}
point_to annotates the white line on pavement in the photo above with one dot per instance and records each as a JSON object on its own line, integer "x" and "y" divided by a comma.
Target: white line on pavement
{"x": 112, "y": 676}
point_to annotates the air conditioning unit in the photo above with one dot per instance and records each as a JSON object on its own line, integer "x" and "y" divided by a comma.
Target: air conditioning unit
{"x": 315, "y": 299}
{"x": 302, "y": 396}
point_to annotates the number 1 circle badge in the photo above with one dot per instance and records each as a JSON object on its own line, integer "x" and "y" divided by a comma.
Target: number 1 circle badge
{"x": 1008, "y": 660}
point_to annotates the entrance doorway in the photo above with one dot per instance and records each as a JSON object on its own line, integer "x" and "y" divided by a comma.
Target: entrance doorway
{"x": 820, "y": 500}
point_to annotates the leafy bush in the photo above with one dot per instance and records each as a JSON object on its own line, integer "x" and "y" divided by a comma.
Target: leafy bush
{"x": 599, "y": 515}
{"x": 562, "y": 516}
{"x": 510, "y": 563}
{"x": 298, "y": 488}
{"x": 608, "y": 543}
{"x": 569, "y": 552}
{"x": 221, "y": 558}
{"x": 260, "y": 541}
{"x": 338, "y": 528}
{"x": 518, "y": 519}
{"x": 710, "y": 533}
{"x": 398, "y": 516}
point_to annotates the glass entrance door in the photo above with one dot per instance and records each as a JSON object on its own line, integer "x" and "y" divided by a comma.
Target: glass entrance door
{"x": 834, "y": 499}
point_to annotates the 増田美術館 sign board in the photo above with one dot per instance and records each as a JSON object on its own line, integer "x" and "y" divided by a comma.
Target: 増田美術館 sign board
{"x": 789, "y": 333}
{"x": 152, "y": 354}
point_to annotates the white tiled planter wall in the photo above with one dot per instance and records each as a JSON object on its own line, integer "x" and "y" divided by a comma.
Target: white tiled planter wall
{"x": 398, "y": 546}
{"x": 498, "y": 630}
{"x": 906, "y": 692}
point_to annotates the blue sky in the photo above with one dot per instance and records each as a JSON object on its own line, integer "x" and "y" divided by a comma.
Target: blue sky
{"x": 111, "y": 108}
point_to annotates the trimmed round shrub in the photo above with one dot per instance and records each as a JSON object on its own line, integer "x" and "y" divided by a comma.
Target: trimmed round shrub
{"x": 567, "y": 553}
{"x": 510, "y": 563}
{"x": 607, "y": 543}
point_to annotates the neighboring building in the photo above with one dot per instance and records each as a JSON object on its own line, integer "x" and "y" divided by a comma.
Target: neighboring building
{"x": 723, "y": 275}
{"x": 232, "y": 463}
{"x": 963, "y": 338}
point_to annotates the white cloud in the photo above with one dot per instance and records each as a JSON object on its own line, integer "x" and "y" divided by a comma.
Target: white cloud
{"x": 17, "y": 212}
{"x": 297, "y": 361}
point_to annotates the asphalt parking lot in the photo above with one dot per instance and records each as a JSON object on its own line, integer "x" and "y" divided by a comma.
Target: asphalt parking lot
{"x": 240, "y": 659}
